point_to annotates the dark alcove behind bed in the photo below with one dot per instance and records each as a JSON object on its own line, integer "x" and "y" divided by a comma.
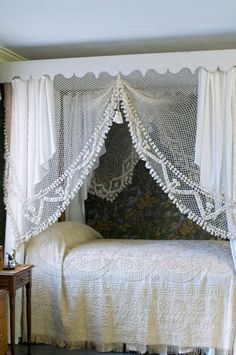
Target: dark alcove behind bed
{"x": 142, "y": 210}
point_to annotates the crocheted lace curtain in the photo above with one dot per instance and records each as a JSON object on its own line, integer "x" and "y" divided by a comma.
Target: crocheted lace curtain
{"x": 72, "y": 132}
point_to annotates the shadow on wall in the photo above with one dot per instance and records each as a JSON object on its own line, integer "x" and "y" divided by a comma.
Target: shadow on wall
{"x": 141, "y": 211}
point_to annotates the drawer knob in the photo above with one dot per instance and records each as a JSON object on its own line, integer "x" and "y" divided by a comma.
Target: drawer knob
{"x": 23, "y": 279}
{"x": 1, "y": 338}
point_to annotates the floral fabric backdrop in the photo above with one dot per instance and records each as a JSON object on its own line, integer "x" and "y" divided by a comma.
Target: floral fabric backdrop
{"x": 141, "y": 211}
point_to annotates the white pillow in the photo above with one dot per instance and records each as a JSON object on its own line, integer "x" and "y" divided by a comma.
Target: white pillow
{"x": 79, "y": 232}
{"x": 69, "y": 234}
{"x": 51, "y": 246}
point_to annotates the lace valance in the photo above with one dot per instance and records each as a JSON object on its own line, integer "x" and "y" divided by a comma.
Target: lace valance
{"x": 211, "y": 60}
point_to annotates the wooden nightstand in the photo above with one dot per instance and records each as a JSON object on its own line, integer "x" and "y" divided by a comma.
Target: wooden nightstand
{"x": 11, "y": 280}
{"x": 3, "y": 322}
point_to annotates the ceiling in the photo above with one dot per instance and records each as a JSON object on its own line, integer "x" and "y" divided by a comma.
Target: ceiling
{"x": 43, "y": 29}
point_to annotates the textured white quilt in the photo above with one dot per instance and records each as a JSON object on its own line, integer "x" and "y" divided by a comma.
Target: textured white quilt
{"x": 138, "y": 292}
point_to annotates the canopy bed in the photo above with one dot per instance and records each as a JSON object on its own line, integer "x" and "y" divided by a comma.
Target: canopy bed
{"x": 177, "y": 113}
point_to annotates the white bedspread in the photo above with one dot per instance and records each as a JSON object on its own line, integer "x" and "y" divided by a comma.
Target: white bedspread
{"x": 109, "y": 292}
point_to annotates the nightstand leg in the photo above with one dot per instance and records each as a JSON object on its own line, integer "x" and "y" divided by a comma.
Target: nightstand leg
{"x": 12, "y": 323}
{"x": 28, "y": 314}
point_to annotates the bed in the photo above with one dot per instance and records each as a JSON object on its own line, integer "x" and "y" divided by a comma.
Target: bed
{"x": 178, "y": 110}
{"x": 138, "y": 295}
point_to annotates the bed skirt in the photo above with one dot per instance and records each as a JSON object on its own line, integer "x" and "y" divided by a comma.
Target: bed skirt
{"x": 120, "y": 347}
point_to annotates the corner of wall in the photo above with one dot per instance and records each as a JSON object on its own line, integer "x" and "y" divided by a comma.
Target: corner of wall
{"x": 8, "y": 56}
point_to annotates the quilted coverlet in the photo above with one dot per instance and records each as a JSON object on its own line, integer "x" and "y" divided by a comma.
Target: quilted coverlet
{"x": 145, "y": 294}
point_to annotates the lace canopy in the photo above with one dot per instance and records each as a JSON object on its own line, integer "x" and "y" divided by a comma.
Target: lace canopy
{"x": 69, "y": 133}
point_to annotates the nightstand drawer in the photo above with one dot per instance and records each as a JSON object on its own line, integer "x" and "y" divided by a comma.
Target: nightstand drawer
{"x": 22, "y": 279}
{"x": 4, "y": 282}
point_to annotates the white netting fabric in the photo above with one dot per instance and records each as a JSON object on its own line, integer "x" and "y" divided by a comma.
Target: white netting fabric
{"x": 153, "y": 117}
{"x": 115, "y": 169}
{"x": 161, "y": 111}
